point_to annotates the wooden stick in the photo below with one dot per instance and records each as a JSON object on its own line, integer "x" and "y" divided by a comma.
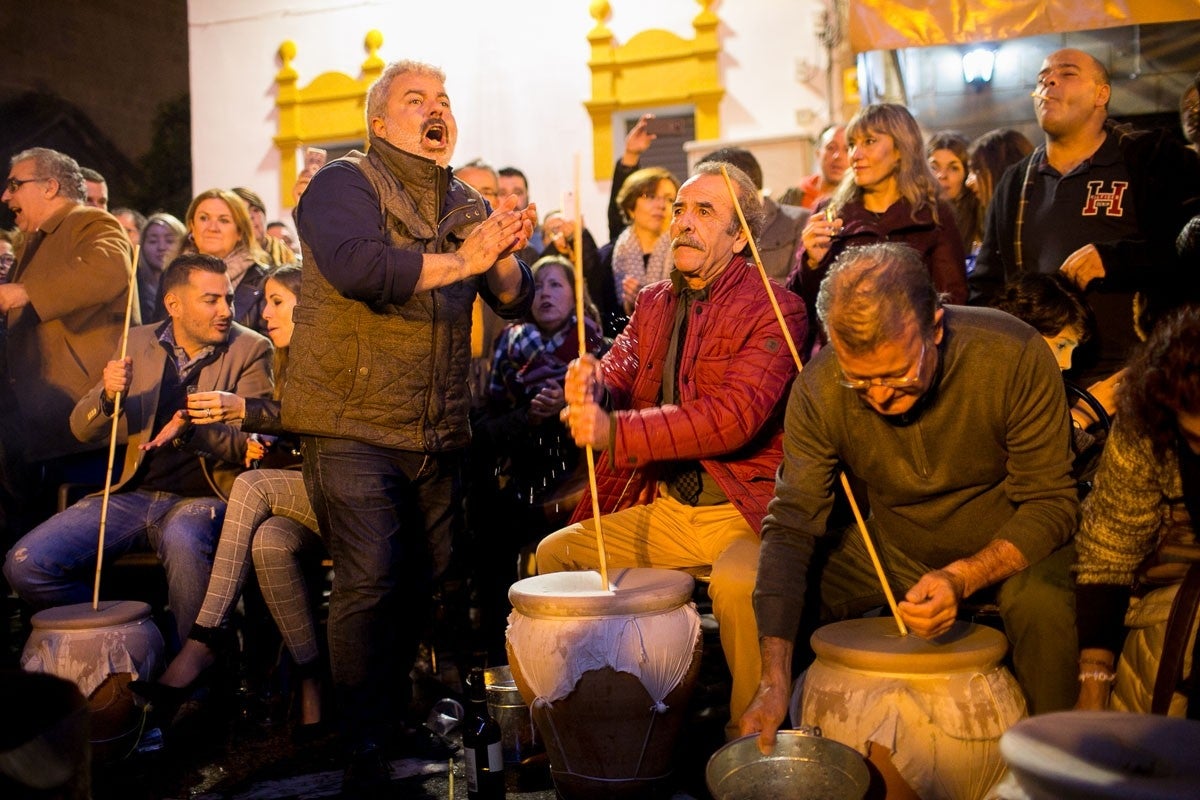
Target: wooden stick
{"x": 577, "y": 254}
{"x": 862, "y": 526}
{"x": 112, "y": 439}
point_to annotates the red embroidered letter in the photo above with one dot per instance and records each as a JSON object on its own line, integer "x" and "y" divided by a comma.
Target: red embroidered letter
{"x": 1109, "y": 201}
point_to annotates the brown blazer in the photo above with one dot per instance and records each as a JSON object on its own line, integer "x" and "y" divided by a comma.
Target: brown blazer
{"x": 58, "y": 344}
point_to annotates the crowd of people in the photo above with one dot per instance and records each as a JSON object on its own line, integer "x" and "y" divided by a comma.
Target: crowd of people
{"x": 404, "y": 389}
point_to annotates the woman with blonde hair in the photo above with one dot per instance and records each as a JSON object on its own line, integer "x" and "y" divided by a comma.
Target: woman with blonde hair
{"x": 218, "y": 224}
{"x": 160, "y": 236}
{"x": 889, "y": 194}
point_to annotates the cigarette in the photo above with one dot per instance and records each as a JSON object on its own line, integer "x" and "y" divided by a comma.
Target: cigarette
{"x": 1038, "y": 94}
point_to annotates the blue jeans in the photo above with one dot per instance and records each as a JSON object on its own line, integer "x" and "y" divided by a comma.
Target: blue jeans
{"x": 54, "y": 564}
{"x": 389, "y": 517}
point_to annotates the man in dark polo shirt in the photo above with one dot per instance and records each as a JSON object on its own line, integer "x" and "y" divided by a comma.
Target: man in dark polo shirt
{"x": 1101, "y": 203}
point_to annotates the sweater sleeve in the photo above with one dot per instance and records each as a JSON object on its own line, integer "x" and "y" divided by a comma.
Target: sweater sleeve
{"x": 1122, "y": 514}
{"x": 340, "y": 222}
{"x": 798, "y": 514}
{"x": 616, "y": 220}
{"x": 1038, "y": 441}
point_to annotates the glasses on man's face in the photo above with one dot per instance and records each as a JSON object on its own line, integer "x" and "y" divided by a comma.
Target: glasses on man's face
{"x": 898, "y": 384}
{"x": 16, "y": 183}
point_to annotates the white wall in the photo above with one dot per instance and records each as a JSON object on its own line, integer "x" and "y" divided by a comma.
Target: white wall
{"x": 516, "y": 73}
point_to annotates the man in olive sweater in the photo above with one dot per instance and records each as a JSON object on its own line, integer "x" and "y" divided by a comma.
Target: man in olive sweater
{"x": 955, "y": 420}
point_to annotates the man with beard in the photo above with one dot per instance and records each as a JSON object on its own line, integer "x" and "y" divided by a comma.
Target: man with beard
{"x": 165, "y": 498}
{"x": 686, "y": 409}
{"x": 1099, "y": 202}
{"x": 395, "y": 251}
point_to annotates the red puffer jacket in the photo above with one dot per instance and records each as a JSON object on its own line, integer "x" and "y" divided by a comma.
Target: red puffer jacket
{"x": 735, "y": 372}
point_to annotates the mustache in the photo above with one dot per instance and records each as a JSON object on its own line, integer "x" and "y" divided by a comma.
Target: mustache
{"x": 684, "y": 240}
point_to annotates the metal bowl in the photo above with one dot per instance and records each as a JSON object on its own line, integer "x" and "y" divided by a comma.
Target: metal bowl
{"x": 803, "y": 765}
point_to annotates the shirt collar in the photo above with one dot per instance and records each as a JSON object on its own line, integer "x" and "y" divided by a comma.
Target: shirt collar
{"x": 179, "y": 356}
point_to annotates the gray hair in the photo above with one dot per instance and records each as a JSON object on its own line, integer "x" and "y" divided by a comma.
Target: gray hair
{"x": 60, "y": 167}
{"x": 747, "y": 196}
{"x": 378, "y": 93}
{"x": 872, "y": 293}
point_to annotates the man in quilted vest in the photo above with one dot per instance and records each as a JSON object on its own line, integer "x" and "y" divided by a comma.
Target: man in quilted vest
{"x": 686, "y": 409}
{"x": 395, "y": 251}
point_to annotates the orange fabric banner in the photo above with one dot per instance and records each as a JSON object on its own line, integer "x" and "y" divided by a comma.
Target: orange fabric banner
{"x": 894, "y": 24}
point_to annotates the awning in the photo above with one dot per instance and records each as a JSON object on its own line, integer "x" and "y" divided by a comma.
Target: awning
{"x": 895, "y": 24}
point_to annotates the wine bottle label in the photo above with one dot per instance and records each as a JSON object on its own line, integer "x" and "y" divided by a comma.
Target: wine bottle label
{"x": 495, "y": 757}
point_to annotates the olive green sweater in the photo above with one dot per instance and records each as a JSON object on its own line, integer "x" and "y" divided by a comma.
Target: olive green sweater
{"x": 984, "y": 455}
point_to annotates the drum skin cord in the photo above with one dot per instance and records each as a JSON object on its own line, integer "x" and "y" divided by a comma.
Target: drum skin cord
{"x": 635, "y": 777}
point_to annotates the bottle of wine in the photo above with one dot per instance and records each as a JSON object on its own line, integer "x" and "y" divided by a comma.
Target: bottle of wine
{"x": 481, "y": 743}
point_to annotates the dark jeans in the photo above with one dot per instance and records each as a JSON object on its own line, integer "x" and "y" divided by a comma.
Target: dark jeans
{"x": 388, "y": 516}
{"x": 1037, "y": 606}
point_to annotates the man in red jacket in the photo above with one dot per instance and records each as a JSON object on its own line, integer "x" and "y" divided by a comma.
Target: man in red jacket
{"x": 686, "y": 409}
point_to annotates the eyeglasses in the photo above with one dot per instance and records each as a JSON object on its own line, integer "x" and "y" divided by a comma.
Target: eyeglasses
{"x": 899, "y": 384}
{"x": 16, "y": 183}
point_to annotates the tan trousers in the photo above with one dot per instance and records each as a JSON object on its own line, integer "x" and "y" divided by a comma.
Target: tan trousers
{"x": 671, "y": 535}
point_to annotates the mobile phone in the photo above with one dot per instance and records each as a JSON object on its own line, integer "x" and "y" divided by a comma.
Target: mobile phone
{"x": 314, "y": 159}
{"x": 665, "y": 126}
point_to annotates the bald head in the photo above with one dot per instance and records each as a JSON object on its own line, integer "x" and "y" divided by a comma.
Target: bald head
{"x": 1072, "y": 94}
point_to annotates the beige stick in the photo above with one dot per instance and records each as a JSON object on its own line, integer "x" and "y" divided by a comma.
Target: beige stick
{"x": 862, "y": 526}
{"x": 112, "y": 439}
{"x": 577, "y": 253}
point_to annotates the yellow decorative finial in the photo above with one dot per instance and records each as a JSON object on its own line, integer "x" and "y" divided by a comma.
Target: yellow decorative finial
{"x": 600, "y": 11}
{"x": 706, "y": 15}
{"x": 287, "y": 52}
{"x": 373, "y": 42}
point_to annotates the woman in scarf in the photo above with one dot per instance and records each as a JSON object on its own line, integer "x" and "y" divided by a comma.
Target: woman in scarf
{"x": 641, "y": 254}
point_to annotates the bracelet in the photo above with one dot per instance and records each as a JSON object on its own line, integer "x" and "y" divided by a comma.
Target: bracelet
{"x": 1103, "y": 676}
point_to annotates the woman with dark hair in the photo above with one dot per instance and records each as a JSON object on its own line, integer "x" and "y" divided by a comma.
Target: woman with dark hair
{"x": 889, "y": 194}
{"x": 1146, "y": 496}
{"x": 269, "y": 523}
{"x": 987, "y": 159}
{"x": 947, "y": 151}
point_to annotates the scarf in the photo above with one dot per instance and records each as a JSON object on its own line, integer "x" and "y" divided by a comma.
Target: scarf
{"x": 238, "y": 263}
{"x": 628, "y": 259}
{"x": 528, "y": 359}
